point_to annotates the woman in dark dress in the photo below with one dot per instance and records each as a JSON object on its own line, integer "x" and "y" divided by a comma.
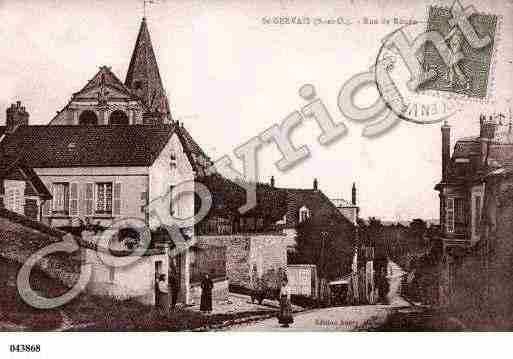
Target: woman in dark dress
{"x": 206, "y": 294}
{"x": 285, "y": 315}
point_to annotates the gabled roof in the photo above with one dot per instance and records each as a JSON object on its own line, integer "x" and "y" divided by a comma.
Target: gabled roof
{"x": 105, "y": 77}
{"x": 82, "y": 146}
{"x": 16, "y": 166}
{"x": 199, "y": 160}
{"x": 143, "y": 71}
{"x": 320, "y": 206}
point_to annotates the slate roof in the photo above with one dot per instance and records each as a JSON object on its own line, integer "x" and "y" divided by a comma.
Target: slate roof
{"x": 143, "y": 67}
{"x": 499, "y": 154}
{"x": 468, "y": 145}
{"x": 228, "y": 196}
{"x": 82, "y": 146}
{"x": 320, "y": 206}
{"x": 200, "y": 161}
{"x": 464, "y": 147}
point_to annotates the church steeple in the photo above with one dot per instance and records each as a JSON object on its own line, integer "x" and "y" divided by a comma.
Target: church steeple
{"x": 143, "y": 77}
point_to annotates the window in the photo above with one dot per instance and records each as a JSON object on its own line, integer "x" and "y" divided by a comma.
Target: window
{"x": 88, "y": 118}
{"x": 477, "y": 215}
{"x": 112, "y": 273}
{"x": 104, "y": 197}
{"x": 459, "y": 210}
{"x": 118, "y": 117}
{"x": 172, "y": 160}
{"x": 304, "y": 214}
{"x": 449, "y": 215}
{"x": 61, "y": 198}
{"x": 172, "y": 204}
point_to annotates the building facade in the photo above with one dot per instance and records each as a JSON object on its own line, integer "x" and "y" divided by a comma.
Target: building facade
{"x": 113, "y": 156}
{"x": 474, "y": 205}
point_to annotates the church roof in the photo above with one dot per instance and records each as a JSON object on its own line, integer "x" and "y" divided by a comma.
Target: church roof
{"x": 105, "y": 77}
{"x": 83, "y": 146}
{"x": 143, "y": 75}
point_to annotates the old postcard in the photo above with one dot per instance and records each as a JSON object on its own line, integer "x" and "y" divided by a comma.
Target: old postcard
{"x": 272, "y": 166}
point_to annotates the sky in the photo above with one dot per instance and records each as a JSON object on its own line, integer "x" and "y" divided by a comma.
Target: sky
{"x": 229, "y": 77}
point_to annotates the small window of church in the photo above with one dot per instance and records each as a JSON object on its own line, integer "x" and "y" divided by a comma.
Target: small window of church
{"x": 88, "y": 118}
{"x": 118, "y": 117}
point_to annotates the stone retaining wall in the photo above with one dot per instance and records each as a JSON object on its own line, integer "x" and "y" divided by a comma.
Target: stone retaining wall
{"x": 18, "y": 243}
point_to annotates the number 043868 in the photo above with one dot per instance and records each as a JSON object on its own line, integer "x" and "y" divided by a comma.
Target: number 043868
{"x": 25, "y": 348}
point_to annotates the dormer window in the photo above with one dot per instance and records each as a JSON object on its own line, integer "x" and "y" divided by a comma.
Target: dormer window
{"x": 304, "y": 214}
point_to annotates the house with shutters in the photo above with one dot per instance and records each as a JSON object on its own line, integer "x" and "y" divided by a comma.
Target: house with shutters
{"x": 476, "y": 222}
{"x": 112, "y": 153}
{"x": 100, "y": 174}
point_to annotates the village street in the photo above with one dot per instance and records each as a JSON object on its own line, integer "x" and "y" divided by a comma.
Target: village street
{"x": 345, "y": 318}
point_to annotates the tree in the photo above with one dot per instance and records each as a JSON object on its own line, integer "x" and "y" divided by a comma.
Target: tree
{"x": 418, "y": 228}
{"x": 328, "y": 243}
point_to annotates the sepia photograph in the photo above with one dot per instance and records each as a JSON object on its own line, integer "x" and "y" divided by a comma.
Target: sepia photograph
{"x": 280, "y": 166}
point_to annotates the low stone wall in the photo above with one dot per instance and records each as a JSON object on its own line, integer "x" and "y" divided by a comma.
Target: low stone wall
{"x": 18, "y": 243}
{"x": 219, "y": 292}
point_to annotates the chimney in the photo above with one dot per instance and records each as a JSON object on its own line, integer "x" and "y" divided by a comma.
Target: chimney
{"x": 353, "y": 194}
{"x": 486, "y": 134}
{"x": 446, "y": 149}
{"x": 272, "y": 181}
{"x": 16, "y": 116}
{"x": 315, "y": 184}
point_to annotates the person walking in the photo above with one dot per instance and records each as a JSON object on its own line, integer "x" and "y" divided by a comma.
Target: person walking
{"x": 206, "y": 294}
{"x": 285, "y": 314}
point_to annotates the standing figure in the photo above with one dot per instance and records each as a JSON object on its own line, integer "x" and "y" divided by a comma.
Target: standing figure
{"x": 206, "y": 294}
{"x": 173, "y": 286}
{"x": 162, "y": 297}
{"x": 285, "y": 315}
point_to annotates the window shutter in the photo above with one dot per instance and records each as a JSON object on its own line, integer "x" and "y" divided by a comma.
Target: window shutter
{"x": 81, "y": 199}
{"x": 55, "y": 195}
{"x": 89, "y": 198}
{"x": 449, "y": 215}
{"x": 73, "y": 199}
{"x": 47, "y": 206}
{"x": 47, "y": 209}
{"x": 117, "y": 198}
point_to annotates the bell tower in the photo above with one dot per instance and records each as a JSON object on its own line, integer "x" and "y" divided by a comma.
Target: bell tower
{"x": 143, "y": 79}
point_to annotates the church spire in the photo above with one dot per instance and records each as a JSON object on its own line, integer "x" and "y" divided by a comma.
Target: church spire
{"x": 143, "y": 76}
